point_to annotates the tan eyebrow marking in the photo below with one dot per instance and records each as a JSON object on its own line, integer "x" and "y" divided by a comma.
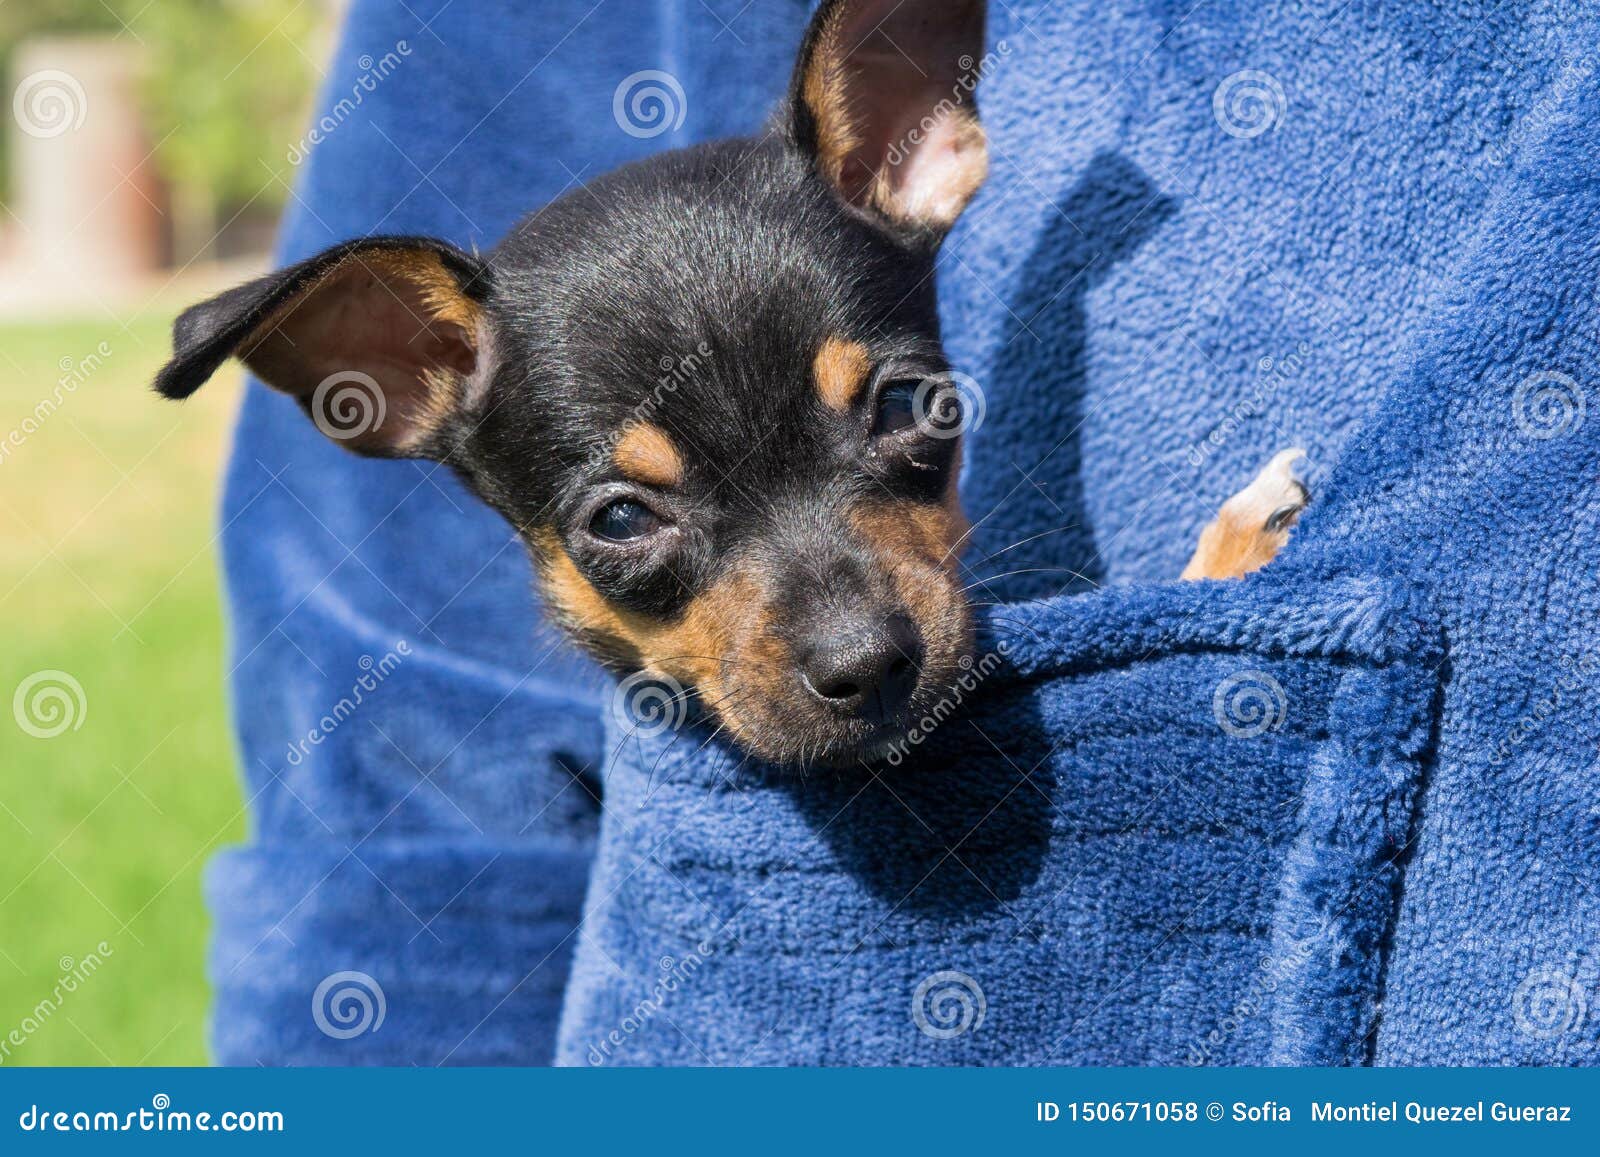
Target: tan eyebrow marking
{"x": 840, "y": 372}
{"x": 646, "y": 455}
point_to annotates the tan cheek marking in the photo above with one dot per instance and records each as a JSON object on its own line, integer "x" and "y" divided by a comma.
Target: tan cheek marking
{"x": 911, "y": 539}
{"x": 696, "y": 648}
{"x": 917, "y": 544}
{"x": 574, "y": 602}
{"x": 645, "y": 454}
{"x": 840, "y": 371}
{"x": 929, "y": 533}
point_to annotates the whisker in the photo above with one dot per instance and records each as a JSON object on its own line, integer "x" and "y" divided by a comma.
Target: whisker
{"x": 1031, "y": 570}
{"x": 720, "y": 659}
{"x": 1023, "y": 542}
{"x": 957, "y": 544}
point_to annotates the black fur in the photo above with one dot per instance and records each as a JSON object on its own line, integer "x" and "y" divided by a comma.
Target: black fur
{"x": 733, "y": 249}
{"x": 691, "y": 291}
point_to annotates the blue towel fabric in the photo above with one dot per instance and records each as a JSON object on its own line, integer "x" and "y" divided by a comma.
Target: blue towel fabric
{"x": 1340, "y": 812}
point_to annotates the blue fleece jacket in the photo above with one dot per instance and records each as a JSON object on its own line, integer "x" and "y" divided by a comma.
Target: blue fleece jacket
{"x": 1341, "y": 812}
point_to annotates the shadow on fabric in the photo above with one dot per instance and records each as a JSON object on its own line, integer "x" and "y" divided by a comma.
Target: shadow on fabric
{"x": 959, "y": 828}
{"x": 1034, "y": 521}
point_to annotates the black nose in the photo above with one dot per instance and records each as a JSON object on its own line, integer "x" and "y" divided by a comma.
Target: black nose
{"x": 869, "y": 670}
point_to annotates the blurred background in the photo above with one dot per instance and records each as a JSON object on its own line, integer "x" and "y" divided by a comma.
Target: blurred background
{"x": 148, "y": 147}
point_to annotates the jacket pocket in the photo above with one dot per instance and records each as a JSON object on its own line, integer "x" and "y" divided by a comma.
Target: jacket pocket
{"x": 1151, "y": 825}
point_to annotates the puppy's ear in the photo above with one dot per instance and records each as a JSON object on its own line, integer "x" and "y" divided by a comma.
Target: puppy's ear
{"x": 882, "y": 100}
{"x": 383, "y": 341}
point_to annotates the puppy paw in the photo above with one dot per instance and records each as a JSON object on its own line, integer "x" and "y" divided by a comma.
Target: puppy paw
{"x": 1254, "y": 524}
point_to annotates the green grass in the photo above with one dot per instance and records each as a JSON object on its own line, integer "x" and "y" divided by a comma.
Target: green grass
{"x": 108, "y": 573}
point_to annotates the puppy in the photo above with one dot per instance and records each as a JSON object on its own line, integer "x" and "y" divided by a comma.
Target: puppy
{"x": 707, "y": 390}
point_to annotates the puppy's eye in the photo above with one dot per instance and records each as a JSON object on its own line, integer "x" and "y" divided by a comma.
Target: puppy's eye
{"x": 897, "y": 407}
{"x": 623, "y": 520}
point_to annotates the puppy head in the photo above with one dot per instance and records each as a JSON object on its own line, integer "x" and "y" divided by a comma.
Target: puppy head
{"x": 707, "y": 390}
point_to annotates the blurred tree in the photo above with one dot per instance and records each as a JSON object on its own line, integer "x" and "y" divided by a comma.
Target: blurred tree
{"x": 230, "y": 82}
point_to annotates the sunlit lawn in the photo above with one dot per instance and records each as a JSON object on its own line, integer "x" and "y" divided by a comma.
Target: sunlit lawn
{"x": 108, "y": 573}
